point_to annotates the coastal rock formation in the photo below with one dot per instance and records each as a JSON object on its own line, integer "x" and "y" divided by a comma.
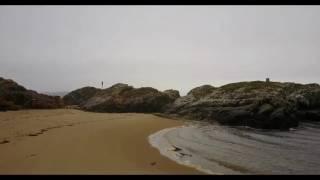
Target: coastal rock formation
{"x": 14, "y": 96}
{"x": 80, "y": 96}
{"x": 201, "y": 91}
{"x": 124, "y": 98}
{"x": 266, "y": 105}
{"x": 173, "y": 94}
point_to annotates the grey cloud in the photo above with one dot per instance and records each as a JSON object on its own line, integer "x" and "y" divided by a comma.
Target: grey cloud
{"x": 60, "y": 48}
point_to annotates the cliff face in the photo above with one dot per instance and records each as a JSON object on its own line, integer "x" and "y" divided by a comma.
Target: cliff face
{"x": 124, "y": 98}
{"x": 267, "y": 105}
{"x": 14, "y": 96}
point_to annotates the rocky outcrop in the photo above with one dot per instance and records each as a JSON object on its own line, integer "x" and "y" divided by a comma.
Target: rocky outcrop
{"x": 201, "y": 91}
{"x": 173, "y": 94}
{"x": 267, "y": 105}
{"x": 14, "y": 96}
{"x": 79, "y": 96}
{"x": 124, "y": 98}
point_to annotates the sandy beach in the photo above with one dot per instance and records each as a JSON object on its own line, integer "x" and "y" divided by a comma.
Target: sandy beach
{"x": 66, "y": 141}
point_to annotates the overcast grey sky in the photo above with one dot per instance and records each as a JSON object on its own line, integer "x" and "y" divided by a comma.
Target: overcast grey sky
{"x": 62, "y": 48}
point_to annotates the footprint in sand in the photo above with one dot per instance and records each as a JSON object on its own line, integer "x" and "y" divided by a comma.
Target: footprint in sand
{"x": 31, "y": 155}
{"x": 4, "y": 141}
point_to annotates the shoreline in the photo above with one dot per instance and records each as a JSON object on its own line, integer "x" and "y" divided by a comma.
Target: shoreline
{"x": 169, "y": 150}
{"x": 219, "y": 150}
{"x": 65, "y": 141}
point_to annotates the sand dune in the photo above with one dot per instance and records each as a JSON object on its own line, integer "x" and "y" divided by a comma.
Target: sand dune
{"x": 76, "y": 142}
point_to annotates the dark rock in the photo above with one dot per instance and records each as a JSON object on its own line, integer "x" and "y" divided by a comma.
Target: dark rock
{"x": 80, "y": 95}
{"x": 258, "y": 104}
{"x": 266, "y": 105}
{"x": 173, "y": 94}
{"x": 265, "y": 109}
{"x": 201, "y": 91}
{"x": 309, "y": 115}
{"x": 124, "y": 98}
{"x": 14, "y": 97}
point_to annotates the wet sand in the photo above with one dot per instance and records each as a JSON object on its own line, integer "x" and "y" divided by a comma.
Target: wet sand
{"x": 66, "y": 141}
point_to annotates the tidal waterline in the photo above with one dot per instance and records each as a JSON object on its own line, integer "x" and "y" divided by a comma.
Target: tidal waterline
{"x": 219, "y": 149}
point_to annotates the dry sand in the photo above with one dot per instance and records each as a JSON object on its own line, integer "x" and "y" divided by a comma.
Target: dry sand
{"x": 66, "y": 141}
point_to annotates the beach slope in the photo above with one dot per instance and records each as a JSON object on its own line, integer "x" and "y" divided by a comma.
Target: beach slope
{"x": 66, "y": 141}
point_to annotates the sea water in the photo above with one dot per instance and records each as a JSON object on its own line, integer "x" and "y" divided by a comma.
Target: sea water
{"x": 216, "y": 149}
